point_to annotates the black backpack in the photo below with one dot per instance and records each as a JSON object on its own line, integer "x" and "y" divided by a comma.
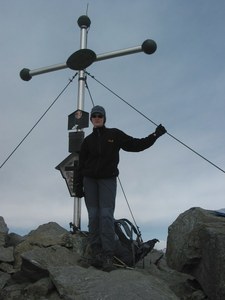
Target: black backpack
{"x": 130, "y": 247}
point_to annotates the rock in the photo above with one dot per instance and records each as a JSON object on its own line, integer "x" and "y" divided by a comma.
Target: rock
{"x": 195, "y": 245}
{"x": 13, "y": 292}
{"x": 14, "y": 239}
{"x": 35, "y": 263}
{"x": 183, "y": 285}
{"x": 19, "y": 250}
{"x": 32, "y": 270}
{"x": 8, "y": 268}
{"x": 74, "y": 282}
{"x": 6, "y": 254}
{"x": 3, "y": 232}
{"x": 4, "y": 277}
{"x": 51, "y": 256}
{"x": 40, "y": 288}
{"x": 44, "y": 236}
{"x": 47, "y": 235}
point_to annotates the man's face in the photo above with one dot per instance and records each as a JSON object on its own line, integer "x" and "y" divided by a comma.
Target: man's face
{"x": 97, "y": 120}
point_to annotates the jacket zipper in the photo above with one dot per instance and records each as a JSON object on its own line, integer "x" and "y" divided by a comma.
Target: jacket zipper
{"x": 99, "y": 151}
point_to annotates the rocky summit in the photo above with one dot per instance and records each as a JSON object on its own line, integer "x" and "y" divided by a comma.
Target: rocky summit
{"x": 47, "y": 264}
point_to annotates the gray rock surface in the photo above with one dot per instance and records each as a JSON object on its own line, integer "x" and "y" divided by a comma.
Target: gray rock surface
{"x": 4, "y": 277}
{"x": 74, "y": 282}
{"x": 195, "y": 245}
{"x": 6, "y": 254}
{"x": 3, "y": 232}
{"x": 46, "y": 265}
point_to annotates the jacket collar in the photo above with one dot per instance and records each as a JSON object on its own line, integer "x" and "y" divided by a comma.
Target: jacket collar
{"x": 99, "y": 129}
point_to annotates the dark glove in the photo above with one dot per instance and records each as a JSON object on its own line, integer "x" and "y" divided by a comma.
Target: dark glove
{"x": 79, "y": 190}
{"x": 160, "y": 130}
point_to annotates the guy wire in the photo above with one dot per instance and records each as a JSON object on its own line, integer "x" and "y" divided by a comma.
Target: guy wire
{"x": 70, "y": 80}
{"x": 138, "y": 230}
{"x": 143, "y": 115}
{"x": 87, "y": 87}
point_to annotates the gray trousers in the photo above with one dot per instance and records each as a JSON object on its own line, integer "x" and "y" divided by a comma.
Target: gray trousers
{"x": 100, "y": 195}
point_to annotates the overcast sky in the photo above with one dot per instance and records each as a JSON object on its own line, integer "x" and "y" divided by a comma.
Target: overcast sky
{"x": 181, "y": 85}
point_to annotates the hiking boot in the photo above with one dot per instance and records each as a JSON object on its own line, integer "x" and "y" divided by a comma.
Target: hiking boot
{"x": 108, "y": 264}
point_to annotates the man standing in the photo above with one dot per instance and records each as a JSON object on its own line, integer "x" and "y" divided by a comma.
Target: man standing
{"x": 97, "y": 180}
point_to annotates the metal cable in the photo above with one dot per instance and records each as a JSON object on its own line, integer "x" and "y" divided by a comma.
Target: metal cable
{"x": 87, "y": 87}
{"x": 70, "y": 80}
{"x": 138, "y": 111}
{"x": 138, "y": 230}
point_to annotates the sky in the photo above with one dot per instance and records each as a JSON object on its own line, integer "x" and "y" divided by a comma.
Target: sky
{"x": 181, "y": 85}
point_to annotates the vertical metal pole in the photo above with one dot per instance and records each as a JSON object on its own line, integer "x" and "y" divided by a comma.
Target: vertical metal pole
{"x": 77, "y": 213}
{"x": 84, "y": 23}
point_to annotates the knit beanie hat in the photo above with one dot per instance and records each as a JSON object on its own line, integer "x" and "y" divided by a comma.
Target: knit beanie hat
{"x": 99, "y": 110}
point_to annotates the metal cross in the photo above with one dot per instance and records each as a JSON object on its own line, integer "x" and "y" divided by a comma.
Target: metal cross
{"x": 79, "y": 61}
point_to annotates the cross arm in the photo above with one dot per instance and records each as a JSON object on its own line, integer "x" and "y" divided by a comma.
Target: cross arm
{"x": 148, "y": 47}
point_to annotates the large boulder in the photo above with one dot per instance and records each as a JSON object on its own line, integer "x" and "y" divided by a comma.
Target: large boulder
{"x": 195, "y": 245}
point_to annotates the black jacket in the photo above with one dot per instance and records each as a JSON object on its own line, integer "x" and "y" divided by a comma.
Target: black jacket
{"x": 99, "y": 154}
